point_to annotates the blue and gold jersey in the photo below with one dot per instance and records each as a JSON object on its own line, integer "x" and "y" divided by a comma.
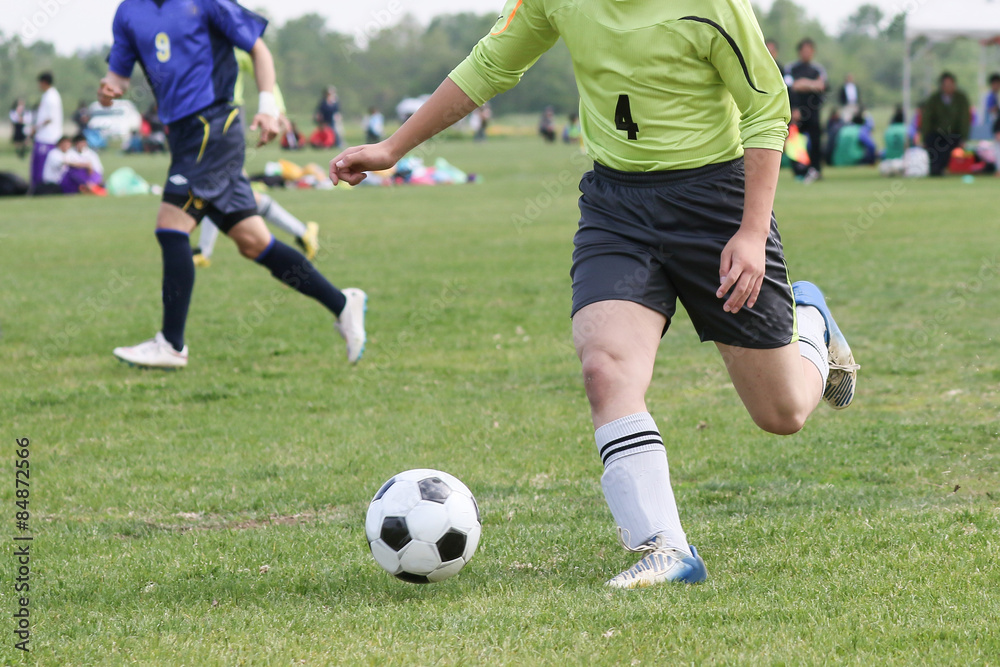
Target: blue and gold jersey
{"x": 185, "y": 48}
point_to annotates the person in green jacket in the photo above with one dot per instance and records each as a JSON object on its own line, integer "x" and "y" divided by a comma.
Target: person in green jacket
{"x": 895, "y": 136}
{"x": 946, "y": 122}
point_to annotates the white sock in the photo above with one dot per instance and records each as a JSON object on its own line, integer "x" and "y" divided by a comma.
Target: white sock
{"x": 636, "y": 481}
{"x": 272, "y": 211}
{"x": 812, "y": 339}
{"x": 209, "y": 235}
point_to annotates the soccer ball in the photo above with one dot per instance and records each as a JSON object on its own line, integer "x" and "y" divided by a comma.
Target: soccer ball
{"x": 423, "y": 526}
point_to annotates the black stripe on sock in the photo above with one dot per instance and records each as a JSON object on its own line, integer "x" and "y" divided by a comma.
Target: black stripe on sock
{"x": 633, "y": 436}
{"x": 625, "y": 448}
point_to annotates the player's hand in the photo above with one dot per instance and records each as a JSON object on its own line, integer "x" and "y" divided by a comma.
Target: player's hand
{"x": 351, "y": 165}
{"x": 269, "y": 127}
{"x": 108, "y": 92}
{"x": 741, "y": 271}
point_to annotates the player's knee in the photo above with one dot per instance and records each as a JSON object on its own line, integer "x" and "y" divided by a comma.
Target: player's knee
{"x": 782, "y": 421}
{"x": 603, "y": 374}
{"x": 251, "y": 248}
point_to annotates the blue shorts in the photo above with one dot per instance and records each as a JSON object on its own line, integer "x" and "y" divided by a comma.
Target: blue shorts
{"x": 206, "y": 174}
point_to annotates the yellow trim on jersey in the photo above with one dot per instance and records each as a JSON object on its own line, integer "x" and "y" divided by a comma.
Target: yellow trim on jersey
{"x": 204, "y": 142}
{"x": 229, "y": 121}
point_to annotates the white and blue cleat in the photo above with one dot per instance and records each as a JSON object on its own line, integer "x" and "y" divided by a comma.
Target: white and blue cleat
{"x": 660, "y": 564}
{"x": 843, "y": 378}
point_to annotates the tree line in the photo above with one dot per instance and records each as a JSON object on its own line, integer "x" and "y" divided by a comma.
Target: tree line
{"x": 408, "y": 59}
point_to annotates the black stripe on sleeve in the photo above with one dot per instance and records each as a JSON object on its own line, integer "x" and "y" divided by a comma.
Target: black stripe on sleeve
{"x": 732, "y": 43}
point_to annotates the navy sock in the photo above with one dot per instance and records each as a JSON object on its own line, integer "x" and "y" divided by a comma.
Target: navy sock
{"x": 292, "y": 268}
{"x": 178, "y": 283}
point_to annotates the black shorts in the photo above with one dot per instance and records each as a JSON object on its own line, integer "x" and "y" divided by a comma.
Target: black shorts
{"x": 206, "y": 174}
{"x": 656, "y": 237}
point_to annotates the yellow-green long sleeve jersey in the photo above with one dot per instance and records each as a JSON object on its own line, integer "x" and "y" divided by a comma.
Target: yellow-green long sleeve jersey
{"x": 664, "y": 84}
{"x": 245, "y": 63}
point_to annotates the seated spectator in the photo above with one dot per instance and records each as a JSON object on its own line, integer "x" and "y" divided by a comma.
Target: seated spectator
{"x": 375, "y": 126}
{"x": 572, "y": 133}
{"x": 81, "y": 117}
{"x": 133, "y": 144}
{"x": 291, "y": 138}
{"x": 154, "y": 134}
{"x": 854, "y": 144}
{"x": 63, "y": 175}
{"x": 895, "y": 136}
{"x": 323, "y": 137}
{"x": 833, "y": 127}
{"x": 547, "y": 125}
{"x": 81, "y": 153}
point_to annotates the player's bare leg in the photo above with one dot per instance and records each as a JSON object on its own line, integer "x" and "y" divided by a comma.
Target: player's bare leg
{"x": 617, "y": 342}
{"x": 779, "y": 387}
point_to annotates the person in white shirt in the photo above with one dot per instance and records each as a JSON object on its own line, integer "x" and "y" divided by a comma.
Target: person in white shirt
{"x": 65, "y": 172}
{"x": 81, "y": 153}
{"x": 48, "y": 127}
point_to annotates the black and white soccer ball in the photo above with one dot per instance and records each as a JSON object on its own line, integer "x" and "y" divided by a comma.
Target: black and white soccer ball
{"x": 423, "y": 526}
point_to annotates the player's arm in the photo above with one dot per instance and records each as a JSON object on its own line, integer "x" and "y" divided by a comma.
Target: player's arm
{"x": 121, "y": 61}
{"x": 759, "y": 90}
{"x": 267, "y": 108}
{"x": 519, "y": 37}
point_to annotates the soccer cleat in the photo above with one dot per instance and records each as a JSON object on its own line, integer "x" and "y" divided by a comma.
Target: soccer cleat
{"x": 661, "y": 563}
{"x": 154, "y": 353}
{"x": 351, "y": 323}
{"x": 843, "y": 378}
{"x": 200, "y": 260}
{"x": 309, "y": 242}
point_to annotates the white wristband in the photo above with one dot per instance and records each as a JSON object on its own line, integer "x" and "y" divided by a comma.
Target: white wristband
{"x": 267, "y": 105}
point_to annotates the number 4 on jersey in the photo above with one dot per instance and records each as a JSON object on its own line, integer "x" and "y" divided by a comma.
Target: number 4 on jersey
{"x": 623, "y": 118}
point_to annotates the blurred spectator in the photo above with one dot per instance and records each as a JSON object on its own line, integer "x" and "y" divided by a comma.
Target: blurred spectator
{"x": 81, "y": 153}
{"x": 854, "y": 143}
{"x": 895, "y": 136}
{"x": 48, "y": 127}
{"x": 323, "y": 137}
{"x": 807, "y": 84}
{"x": 772, "y": 48}
{"x": 291, "y": 138}
{"x": 81, "y": 117}
{"x": 547, "y": 125}
{"x": 945, "y": 123}
{"x": 65, "y": 172}
{"x": 154, "y": 134}
{"x": 480, "y": 121}
{"x": 375, "y": 126}
{"x": 991, "y": 104}
{"x": 572, "y": 132}
{"x": 134, "y": 143}
{"x": 328, "y": 111}
{"x": 850, "y": 98}
{"x": 833, "y": 127}
{"x": 19, "y": 118}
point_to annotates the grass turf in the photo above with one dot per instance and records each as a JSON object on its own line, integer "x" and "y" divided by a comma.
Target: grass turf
{"x": 214, "y": 516}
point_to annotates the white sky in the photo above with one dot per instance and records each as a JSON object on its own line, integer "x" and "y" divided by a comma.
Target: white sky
{"x": 74, "y": 24}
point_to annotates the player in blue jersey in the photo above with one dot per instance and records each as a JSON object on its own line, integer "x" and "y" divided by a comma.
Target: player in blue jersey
{"x": 185, "y": 48}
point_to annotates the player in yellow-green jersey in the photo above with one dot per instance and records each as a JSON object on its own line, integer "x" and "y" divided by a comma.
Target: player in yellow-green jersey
{"x": 306, "y": 234}
{"x": 685, "y": 115}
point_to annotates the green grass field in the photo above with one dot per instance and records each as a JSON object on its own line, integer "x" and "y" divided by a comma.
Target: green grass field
{"x": 214, "y": 516}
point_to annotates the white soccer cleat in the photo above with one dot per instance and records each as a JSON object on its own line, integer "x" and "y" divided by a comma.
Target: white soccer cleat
{"x": 351, "y": 324}
{"x": 153, "y": 353}
{"x": 659, "y": 564}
